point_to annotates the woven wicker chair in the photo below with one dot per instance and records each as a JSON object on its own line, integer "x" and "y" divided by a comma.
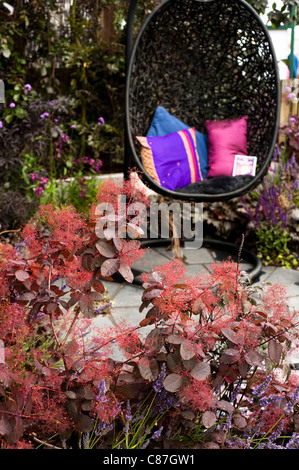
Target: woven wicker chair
{"x": 202, "y": 60}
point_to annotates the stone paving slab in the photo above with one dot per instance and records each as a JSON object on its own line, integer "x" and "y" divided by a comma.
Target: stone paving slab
{"x": 294, "y": 303}
{"x": 150, "y": 259}
{"x": 286, "y": 277}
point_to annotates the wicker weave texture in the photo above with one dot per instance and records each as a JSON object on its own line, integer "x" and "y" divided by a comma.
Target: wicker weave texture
{"x": 205, "y": 60}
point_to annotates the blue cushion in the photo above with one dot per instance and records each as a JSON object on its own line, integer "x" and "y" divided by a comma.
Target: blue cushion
{"x": 164, "y": 123}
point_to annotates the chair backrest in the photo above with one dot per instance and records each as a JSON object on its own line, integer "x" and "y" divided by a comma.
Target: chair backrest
{"x": 203, "y": 60}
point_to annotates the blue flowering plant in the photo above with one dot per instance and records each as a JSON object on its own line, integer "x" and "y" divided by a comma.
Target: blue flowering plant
{"x": 56, "y": 156}
{"x": 271, "y": 209}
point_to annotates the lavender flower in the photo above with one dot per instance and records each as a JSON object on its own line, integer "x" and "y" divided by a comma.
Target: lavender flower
{"x": 12, "y": 105}
{"x": 228, "y": 423}
{"x": 293, "y": 401}
{"x": 102, "y": 308}
{"x": 293, "y": 442}
{"x": 157, "y": 433}
{"x": 275, "y": 435}
{"x": 103, "y": 428}
{"x": 265, "y": 401}
{"x": 128, "y": 417}
{"x": 101, "y": 397}
{"x": 85, "y": 440}
{"x": 145, "y": 444}
{"x": 260, "y": 389}
{"x": 158, "y": 383}
{"x": 235, "y": 392}
{"x": 44, "y": 115}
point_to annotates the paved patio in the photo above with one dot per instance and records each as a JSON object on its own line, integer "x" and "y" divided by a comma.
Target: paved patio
{"x": 126, "y": 298}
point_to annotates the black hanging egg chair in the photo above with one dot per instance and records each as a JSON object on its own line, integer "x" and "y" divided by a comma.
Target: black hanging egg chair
{"x": 202, "y": 62}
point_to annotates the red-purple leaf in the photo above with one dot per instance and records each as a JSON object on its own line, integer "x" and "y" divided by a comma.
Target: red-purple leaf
{"x": 119, "y": 243}
{"x": 74, "y": 298}
{"x": 5, "y": 426}
{"x": 126, "y": 272}
{"x": 274, "y": 350}
{"x": 201, "y": 371}
{"x": 21, "y": 275}
{"x": 26, "y": 297}
{"x": 209, "y": 419}
{"x": 98, "y": 286}
{"x": 230, "y": 355}
{"x": 109, "y": 267}
{"x": 134, "y": 230}
{"x": 240, "y": 421}
{"x": 190, "y": 363}
{"x": 173, "y": 361}
{"x": 174, "y": 339}
{"x": 209, "y": 445}
{"x": 106, "y": 249}
{"x": 96, "y": 296}
{"x": 87, "y": 260}
{"x": 151, "y": 294}
{"x": 154, "y": 340}
{"x": 144, "y": 305}
{"x": 147, "y": 321}
{"x": 187, "y": 350}
{"x": 109, "y": 233}
{"x": 173, "y": 382}
{"x": 225, "y": 406}
{"x": 231, "y": 335}
{"x": 232, "y": 352}
{"x": 243, "y": 368}
{"x": 51, "y": 307}
{"x": 86, "y": 304}
{"x": 254, "y": 358}
{"x": 5, "y": 378}
{"x": 18, "y": 263}
{"x": 148, "y": 369}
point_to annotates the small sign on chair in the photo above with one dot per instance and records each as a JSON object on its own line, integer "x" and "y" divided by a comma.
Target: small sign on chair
{"x": 244, "y": 165}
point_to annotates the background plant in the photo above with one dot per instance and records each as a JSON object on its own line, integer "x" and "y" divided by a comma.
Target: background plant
{"x": 272, "y": 207}
{"x": 73, "y": 53}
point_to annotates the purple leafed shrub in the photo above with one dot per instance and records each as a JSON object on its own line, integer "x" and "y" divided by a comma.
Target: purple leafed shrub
{"x": 205, "y": 368}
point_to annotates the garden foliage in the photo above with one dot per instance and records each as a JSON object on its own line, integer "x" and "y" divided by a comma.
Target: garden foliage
{"x": 273, "y": 205}
{"x": 206, "y": 367}
{"x": 58, "y": 73}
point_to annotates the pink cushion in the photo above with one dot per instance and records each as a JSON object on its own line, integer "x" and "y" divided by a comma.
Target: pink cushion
{"x": 226, "y": 139}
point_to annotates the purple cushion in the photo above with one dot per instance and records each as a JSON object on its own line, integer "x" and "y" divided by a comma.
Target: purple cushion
{"x": 226, "y": 139}
{"x": 164, "y": 123}
{"x": 171, "y": 160}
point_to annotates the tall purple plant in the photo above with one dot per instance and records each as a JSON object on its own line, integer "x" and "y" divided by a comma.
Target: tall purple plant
{"x": 270, "y": 204}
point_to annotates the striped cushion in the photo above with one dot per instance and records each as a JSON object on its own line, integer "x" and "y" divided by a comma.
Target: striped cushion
{"x": 171, "y": 160}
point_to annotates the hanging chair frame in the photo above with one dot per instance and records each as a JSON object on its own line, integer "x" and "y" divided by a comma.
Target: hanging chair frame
{"x": 132, "y": 158}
